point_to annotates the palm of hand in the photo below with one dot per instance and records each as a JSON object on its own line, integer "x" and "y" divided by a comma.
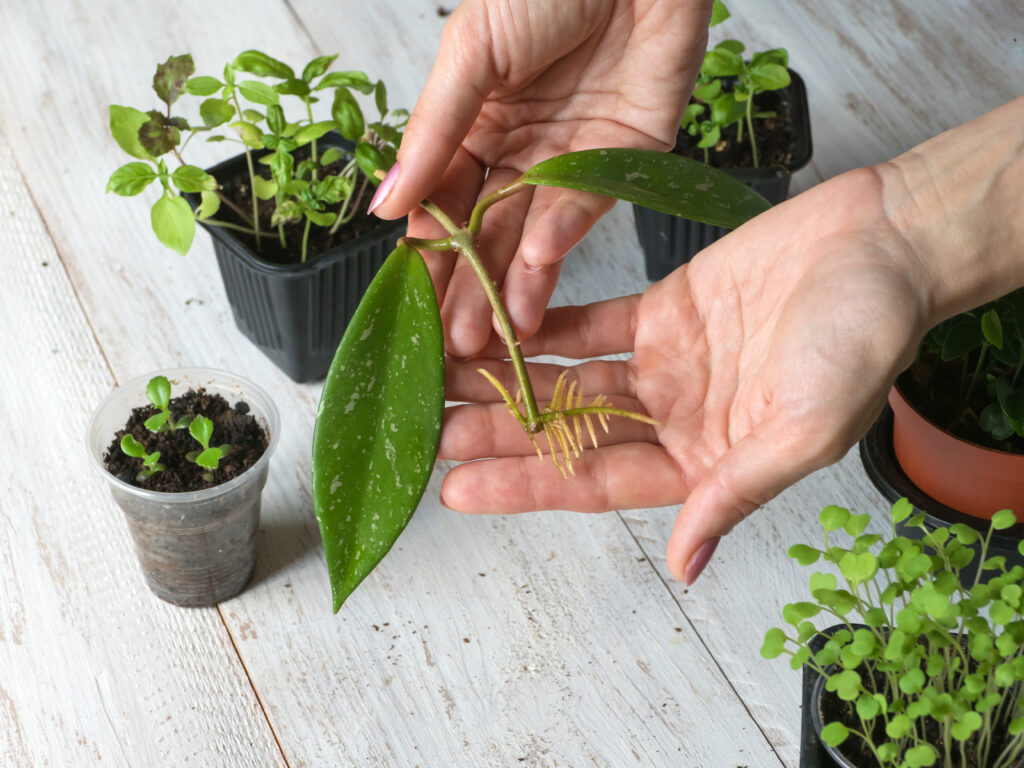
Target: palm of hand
{"x": 763, "y": 360}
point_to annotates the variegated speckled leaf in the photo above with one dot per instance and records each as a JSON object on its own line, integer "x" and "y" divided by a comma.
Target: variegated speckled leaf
{"x": 659, "y": 180}
{"x": 379, "y": 423}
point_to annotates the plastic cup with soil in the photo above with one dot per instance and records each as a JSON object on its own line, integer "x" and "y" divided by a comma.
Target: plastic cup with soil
{"x": 194, "y": 530}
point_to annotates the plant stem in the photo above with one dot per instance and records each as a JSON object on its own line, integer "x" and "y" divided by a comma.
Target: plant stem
{"x": 750, "y": 128}
{"x": 974, "y": 378}
{"x": 241, "y": 214}
{"x": 305, "y": 238}
{"x": 229, "y": 225}
{"x": 312, "y": 144}
{"x": 348, "y": 200}
{"x": 422, "y": 244}
{"x": 476, "y": 217}
{"x": 252, "y": 177}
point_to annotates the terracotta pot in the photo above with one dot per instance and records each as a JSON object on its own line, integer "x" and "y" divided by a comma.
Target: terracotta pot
{"x": 970, "y": 478}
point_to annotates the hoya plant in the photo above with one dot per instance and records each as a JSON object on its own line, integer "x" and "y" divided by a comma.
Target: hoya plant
{"x": 726, "y": 88}
{"x": 968, "y": 372}
{"x": 317, "y": 187}
{"x": 379, "y": 423}
{"x": 922, "y": 670}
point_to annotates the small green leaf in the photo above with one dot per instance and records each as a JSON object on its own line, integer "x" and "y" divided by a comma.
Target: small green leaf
{"x": 215, "y": 112}
{"x": 369, "y": 159}
{"x": 293, "y": 87}
{"x": 964, "y": 533}
{"x": 834, "y": 734}
{"x": 173, "y": 223}
{"x": 712, "y": 134}
{"x": 722, "y": 63}
{"x": 201, "y": 430}
{"x": 856, "y": 524}
{"x": 281, "y": 167}
{"x": 774, "y": 643}
{"x": 250, "y": 134}
{"x": 330, "y": 155}
{"x": 804, "y": 555}
{"x": 210, "y": 204}
{"x": 662, "y": 181}
{"x": 131, "y": 179}
{"x": 778, "y": 56}
{"x": 125, "y": 123}
{"x": 708, "y": 91}
{"x": 156, "y": 422}
{"x": 210, "y": 458}
{"x": 1003, "y": 519}
{"x": 203, "y": 85}
{"x": 313, "y": 131}
{"x": 898, "y": 727}
{"x": 158, "y": 135}
{"x": 258, "y": 93}
{"x": 350, "y": 79}
{"x": 254, "y": 115}
{"x": 858, "y": 568}
{"x": 171, "y": 77}
{"x": 374, "y": 446}
{"x": 158, "y": 391}
{"x": 317, "y": 67}
{"x": 833, "y": 518}
{"x": 347, "y": 115}
{"x": 964, "y": 335}
{"x": 320, "y": 218}
{"x": 191, "y": 178}
{"x": 719, "y": 13}
{"x": 920, "y": 756}
{"x": 901, "y": 510}
{"x": 259, "y": 64}
{"x": 132, "y": 447}
{"x": 867, "y": 707}
{"x": 992, "y": 328}
{"x": 380, "y": 98}
{"x": 264, "y": 188}
{"x": 731, "y": 45}
{"x": 769, "y": 77}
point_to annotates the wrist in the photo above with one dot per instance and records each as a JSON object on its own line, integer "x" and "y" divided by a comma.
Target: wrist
{"x": 956, "y": 202}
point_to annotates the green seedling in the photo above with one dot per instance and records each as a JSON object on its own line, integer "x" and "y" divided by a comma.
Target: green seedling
{"x": 150, "y": 461}
{"x": 209, "y": 457}
{"x": 379, "y": 424}
{"x": 325, "y": 189}
{"x": 928, "y": 670}
{"x": 158, "y": 390}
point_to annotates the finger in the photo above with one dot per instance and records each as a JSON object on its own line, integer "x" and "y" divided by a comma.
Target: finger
{"x": 456, "y": 194}
{"x": 602, "y": 328}
{"x": 750, "y": 473}
{"x": 464, "y": 382}
{"x": 481, "y": 431}
{"x": 627, "y": 476}
{"x": 526, "y": 293}
{"x": 467, "y": 313}
{"x": 565, "y": 218}
{"x": 460, "y": 80}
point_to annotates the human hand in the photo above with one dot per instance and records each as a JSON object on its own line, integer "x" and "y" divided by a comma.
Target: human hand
{"x": 516, "y": 82}
{"x": 763, "y": 360}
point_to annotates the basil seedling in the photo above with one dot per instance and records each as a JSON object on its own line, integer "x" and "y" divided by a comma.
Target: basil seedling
{"x": 150, "y": 461}
{"x": 209, "y": 458}
{"x": 158, "y": 390}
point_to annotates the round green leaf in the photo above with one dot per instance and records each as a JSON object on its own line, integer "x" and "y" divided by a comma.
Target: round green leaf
{"x": 379, "y": 424}
{"x": 920, "y": 756}
{"x": 901, "y": 510}
{"x": 833, "y": 518}
{"x": 722, "y": 63}
{"x": 158, "y": 391}
{"x": 1003, "y": 519}
{"x": 898, "y": 727}
{"x": 731, "y": 45}
{"x": 131, "y": 179}
{"x": 210, "y": 458}
{"x": 769, "y": 77}
{"x": 708, "y": 91}
{"x": 173, "y": 223}
{"x": 774, "y": 643}
{"x": 132, "y": 447}
{"x": 805, "y": 555}
{"x": 662, "y": 181}
{"x": 264, "y": 188}
{"x": 250, "y": 134}
{"x": 215, "y": 112}
{"x": 156, "y": 422}
{"x": 125, "y": 123}
{"x": 191, "y": 178}
{"x": 834, "y": 734}
{"x": 201, "y": 429}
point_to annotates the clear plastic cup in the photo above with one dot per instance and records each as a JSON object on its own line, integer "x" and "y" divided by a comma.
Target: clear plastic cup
{"x": 196, "y": 548}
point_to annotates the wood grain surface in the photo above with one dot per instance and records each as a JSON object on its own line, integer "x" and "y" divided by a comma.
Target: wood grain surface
{"x": 550, "y": 639}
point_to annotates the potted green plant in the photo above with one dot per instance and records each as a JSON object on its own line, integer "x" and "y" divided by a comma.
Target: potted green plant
{"x": 188, "y": 472}
{"x": 379, "y": 421}
{"x": 294, "y": 245}
{"x": 954, "y": 441}
{"x": 920, "y": 670}
{"x": 748, "y": 117}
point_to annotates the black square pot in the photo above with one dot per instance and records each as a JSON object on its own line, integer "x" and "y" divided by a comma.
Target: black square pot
{"x": 668, "y": 242}
{"x": 879, "y": 460}
{"x": 296, "y": 314}
{"x": 812, "y": 752}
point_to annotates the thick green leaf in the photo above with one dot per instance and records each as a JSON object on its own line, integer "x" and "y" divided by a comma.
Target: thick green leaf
{"x": 258, "y": 93}
{"x": 662, "y": 181}
{"x": 258, "y": 63}
{"x": 174, "y": 223}
{"x": 124, "y": 126}
{"x": 131, "y": 179}
{"x": 215, "y": 112}
{"x": 317, "y": 67}
{"x": 721, "y": 62}
{"x": 158, "y": 390}
{"x": 719, "y": 13}
{"x": 769, "y": 77}
{"x": 379, "y": 424}
{"x": 203, "y": 85}
{"x": 192, "y": 178}
{"x": 132, "y": 447}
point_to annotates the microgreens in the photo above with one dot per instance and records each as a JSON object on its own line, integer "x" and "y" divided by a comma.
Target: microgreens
{"x": 307, "y": 190}
{"x": 209, "y": 458}
{"x": 150, "y": 461}
{"x": 925, "y": 656}
{"x": 158, "y": 390}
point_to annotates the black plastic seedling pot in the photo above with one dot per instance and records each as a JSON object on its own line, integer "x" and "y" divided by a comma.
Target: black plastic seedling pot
{"x": 668, "y": 242}
{"x": 296, "y": 313}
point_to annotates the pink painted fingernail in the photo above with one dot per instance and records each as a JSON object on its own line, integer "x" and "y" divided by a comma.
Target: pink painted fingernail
{"x": 699, "y": 560}
{"x": 385, "y": 187}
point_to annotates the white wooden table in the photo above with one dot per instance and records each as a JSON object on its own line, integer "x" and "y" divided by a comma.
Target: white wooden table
{"x": 550, "y": 639}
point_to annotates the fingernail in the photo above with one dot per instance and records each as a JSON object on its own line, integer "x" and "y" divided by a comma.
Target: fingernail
{"x": 385, "y": 187}
{"x": 699, "y": 560}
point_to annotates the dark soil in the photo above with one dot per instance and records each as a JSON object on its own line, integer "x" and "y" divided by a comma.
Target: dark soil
{"x": 933, "y": 387}
{"x": 232, "y": 425}
{"x": 321, "y": 240}
{"x": 774, "y": 135}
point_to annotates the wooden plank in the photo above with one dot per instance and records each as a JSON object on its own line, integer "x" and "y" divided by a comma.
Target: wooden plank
{"x": 92, "y": 666}
{"x": 565, "y": 652}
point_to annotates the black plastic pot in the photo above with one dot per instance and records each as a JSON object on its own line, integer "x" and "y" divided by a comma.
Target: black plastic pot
{"x": 879, "y": 460}
{"x": 813, "y": 753}
{"x": 668, "y": 242}
{"x": 296, "y": 313}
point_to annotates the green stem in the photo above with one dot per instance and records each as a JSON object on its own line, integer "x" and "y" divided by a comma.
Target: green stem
{"x": 229, "y": 225}
{"x": 476, "y": 217}
{"x": 305, "y": 239}
{"x": 280, "y": 235}
{"x": 974, "y": 378}
{"x": 347, "y": 201}
{"x": 252, "y": 180}
{"x": 422, "y": 244}
{"x": 750, "y": 128}
{"x": 312, "y": 144}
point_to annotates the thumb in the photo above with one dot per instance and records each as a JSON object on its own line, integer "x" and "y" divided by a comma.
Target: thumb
{"x": 750, "y": 473}
{"x": 462, "y": 77}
